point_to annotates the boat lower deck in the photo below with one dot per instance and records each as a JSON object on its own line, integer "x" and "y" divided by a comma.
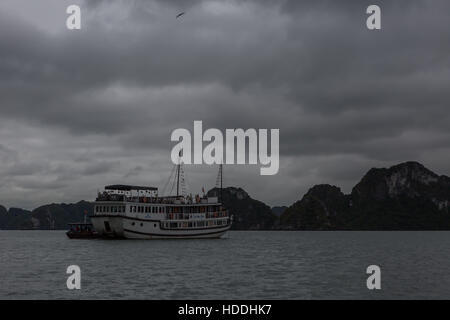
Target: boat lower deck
{"x": 122, "y": 226}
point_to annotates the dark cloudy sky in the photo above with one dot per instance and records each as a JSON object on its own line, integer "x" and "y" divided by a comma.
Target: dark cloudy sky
{"x": 82, "y": 109}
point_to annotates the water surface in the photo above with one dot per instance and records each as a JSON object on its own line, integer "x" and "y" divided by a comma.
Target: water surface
{"x": 244, "y": 265}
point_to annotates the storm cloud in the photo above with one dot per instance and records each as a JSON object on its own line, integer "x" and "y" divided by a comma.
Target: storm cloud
{"x": 82, "y": 109}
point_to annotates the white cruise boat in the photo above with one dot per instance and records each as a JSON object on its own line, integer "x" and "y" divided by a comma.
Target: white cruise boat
{"x": 136, "y": 212}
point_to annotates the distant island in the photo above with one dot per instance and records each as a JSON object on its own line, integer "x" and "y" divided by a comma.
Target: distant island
{"x": 407, "y": 196}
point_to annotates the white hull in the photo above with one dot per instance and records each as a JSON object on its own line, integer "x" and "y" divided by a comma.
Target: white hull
{"x": 126, "y": 227}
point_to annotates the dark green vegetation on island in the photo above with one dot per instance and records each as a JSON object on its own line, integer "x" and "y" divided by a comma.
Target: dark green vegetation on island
{"x": 248, "y": 213}
{"x": 48, "y": 217}
{"x": 407, "y": 196}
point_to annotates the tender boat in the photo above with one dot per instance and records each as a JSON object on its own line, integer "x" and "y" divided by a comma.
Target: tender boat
{"x": 82, "y": 230}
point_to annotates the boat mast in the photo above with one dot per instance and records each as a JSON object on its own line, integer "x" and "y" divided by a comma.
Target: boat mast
{"x": 178, "y": 180}
{"x": 221, "y": 181}
{"x": 178, "y": 173}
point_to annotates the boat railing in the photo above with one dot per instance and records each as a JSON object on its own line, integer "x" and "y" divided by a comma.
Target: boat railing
{"x": 105, "y": 196}
{"x": 197, "y": 216}
{"x": 194, "y": 224}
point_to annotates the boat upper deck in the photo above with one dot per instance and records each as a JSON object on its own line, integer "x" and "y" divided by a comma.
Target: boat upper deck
{"x": 138, "y": 194}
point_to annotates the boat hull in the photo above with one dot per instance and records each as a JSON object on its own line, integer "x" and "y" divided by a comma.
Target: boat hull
{"x": 124, "y": 227}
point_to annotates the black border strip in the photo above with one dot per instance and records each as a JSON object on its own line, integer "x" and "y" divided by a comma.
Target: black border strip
{"x": 280, "y": 309}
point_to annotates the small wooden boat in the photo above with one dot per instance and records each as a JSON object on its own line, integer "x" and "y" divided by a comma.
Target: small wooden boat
{"x": 82, "y": 230}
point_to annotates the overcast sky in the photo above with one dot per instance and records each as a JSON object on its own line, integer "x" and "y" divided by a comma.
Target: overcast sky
{"x": 83, "y": 109}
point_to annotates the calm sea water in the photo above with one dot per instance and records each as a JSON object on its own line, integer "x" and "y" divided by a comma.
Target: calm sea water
{"x": 245, "y": 265}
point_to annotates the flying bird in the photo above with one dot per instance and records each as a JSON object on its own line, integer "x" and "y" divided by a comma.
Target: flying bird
{"x": 180, "y": 14}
